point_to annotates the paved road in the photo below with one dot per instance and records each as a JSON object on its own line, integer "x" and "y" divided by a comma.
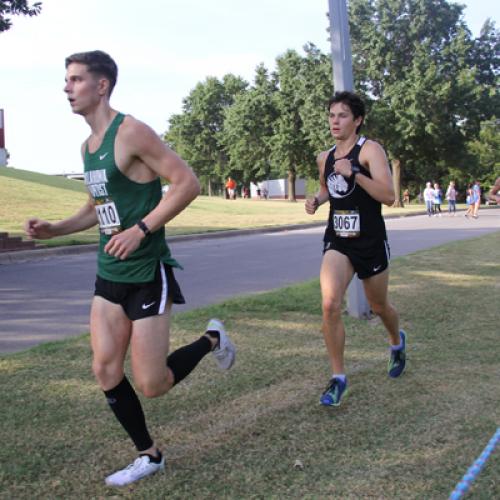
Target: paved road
{"x": 49, "y": 298}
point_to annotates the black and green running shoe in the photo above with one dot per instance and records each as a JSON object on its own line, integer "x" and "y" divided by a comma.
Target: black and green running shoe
{"x": 397, "y": 361}
{"x": 334, "y": 392}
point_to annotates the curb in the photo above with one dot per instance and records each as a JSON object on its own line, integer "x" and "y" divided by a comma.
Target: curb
{"x": 41, "y": 253}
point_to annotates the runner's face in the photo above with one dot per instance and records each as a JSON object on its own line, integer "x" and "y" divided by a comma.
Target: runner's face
{"x": 83, "y": 89}
{"x": 342, "y": 122}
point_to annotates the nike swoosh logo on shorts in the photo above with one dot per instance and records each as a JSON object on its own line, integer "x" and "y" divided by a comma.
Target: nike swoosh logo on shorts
{"x": 147, "y": 306}
{"x": 376, "y": 268}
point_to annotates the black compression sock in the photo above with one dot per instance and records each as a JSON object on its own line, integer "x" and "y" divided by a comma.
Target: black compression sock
{"x": 215, "y": 335}
{"x": 127, "y": 408}
{"x": 183, "y": 361}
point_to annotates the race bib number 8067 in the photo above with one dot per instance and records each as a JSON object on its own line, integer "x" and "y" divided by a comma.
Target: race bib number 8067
{"x": 346, "y": 223}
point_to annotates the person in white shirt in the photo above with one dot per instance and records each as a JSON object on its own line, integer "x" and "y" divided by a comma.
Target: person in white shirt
{"x": 429, "y": 198}
{"x": 451, "y": 196}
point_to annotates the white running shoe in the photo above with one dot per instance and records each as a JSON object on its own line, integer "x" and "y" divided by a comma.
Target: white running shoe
{"x": 141, "y": 467}
{"x": 225, "y": 352}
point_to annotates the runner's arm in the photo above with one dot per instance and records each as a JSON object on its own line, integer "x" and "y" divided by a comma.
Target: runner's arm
{"x": 85, "y": 218}
{"x": 494, "y": 194}
{"x": 140, "y": 142}
{"x": 157, "y": 156}
{"x": 380, "y": 185}
{"x": 312, "y": 204}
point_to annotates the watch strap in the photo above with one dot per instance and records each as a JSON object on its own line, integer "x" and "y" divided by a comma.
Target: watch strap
{"x": 143, "y": 227}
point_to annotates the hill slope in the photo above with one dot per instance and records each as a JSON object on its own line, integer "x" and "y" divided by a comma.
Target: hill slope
{"x": 47, "y": 180}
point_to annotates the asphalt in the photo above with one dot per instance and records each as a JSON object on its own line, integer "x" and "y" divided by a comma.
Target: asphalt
{"x": 45, "y": 294}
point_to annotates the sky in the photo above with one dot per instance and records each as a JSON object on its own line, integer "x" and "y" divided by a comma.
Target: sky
{"x": 163, "y": 48}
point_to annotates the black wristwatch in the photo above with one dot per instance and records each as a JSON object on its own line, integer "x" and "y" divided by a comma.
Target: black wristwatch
{"x": 354, "y": 170}
{"x": 145, "y": 229}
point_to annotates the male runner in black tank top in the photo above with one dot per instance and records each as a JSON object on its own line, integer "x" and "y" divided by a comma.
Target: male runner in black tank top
{"x": 355, "y": 178}
{"x": 135, "y": 286}
{"x": 494, "y": 193}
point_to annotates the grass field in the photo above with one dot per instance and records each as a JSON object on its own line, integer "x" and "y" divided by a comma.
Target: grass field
{"x": 239, "y": 434}
{"x": 53, "y": 198}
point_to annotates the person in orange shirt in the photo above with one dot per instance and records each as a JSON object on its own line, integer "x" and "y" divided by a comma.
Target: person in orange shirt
{"x": 231, "y": 188}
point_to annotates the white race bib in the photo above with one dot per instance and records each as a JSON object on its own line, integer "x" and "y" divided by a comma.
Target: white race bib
{"x": 109, "y": 220}
{"x": 346, "y": 223}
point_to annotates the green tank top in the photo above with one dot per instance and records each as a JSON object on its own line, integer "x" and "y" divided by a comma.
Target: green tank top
{"x": 120, "y": 203}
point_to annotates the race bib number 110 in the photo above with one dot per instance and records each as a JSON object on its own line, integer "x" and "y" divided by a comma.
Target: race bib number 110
{"x": 109, "y": 220}
{"x": 346, "y": 223}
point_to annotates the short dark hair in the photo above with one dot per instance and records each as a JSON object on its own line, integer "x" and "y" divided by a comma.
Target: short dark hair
{"x": 99, "y": 63}
{"x": 353, "y": 102}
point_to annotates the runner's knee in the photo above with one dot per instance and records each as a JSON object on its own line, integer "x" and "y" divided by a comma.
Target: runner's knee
{"x": 379, "y": 308}
{"x": 108, "y": 374}
{"x": 152, "y": 387}
{"x": 332, "y": 307}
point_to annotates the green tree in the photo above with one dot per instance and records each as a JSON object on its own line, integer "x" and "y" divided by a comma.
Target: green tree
{"x": 485, "y": 58}
{"x": 301, "y": 129}
{"x": 317, "y": 89}
{"x": 195, "y": 133}
{"x": 486, "y": 149}
{"x": 14, "y": 8}
{"x": 411, "y": 59}
{"x": 249, "y": 128}
{"x": 289, "y": 143}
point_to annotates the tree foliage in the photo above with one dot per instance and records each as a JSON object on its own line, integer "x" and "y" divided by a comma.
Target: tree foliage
{"x": 428, "y": 82}
{"x": 290, "y": 149}
{"x": 249, "y": 128}
{"x": 195, "y": 133}
{"x": 431, "y": 90}
{"x": 486, "y": 150}
{"x": 16, "y": 7}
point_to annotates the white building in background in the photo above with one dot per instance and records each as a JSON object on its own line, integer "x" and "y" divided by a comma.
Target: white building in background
{"x": 277, "y": 189}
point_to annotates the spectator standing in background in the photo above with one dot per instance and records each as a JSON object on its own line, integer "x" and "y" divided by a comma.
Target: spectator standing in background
{"x": 451, "y": 196}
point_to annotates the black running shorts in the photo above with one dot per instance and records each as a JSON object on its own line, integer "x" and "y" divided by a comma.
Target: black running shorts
{"x": 141, "y": 300}
{"x": 367, "y": 262}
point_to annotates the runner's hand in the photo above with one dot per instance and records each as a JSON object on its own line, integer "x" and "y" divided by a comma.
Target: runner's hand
{"x": 39, "y": 229}
{"x": 312, "y": 205}
{"x": 121, "y": 245}
{"x": 343, "y": 167}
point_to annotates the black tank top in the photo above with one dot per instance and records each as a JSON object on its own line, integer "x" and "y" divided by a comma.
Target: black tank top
{"x": 355, "y": 217}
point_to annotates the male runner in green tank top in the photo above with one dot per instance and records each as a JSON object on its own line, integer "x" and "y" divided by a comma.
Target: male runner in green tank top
{"x": 135, "y": 285}
{"x": 355, "y": 179}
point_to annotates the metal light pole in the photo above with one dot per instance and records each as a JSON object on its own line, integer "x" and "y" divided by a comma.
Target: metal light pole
{"x": 340, "y": 46}
{"x": 357, "y": 304}
{"x": 3, "y": 151}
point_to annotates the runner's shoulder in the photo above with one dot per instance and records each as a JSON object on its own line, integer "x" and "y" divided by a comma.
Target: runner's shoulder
{"x": 321, "y": 159}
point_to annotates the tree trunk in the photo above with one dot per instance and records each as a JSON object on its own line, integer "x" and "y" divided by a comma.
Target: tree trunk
{"x": 396, "y": 182}
{"x": 209, "y": 187}
{"x": 291, "y": 185}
